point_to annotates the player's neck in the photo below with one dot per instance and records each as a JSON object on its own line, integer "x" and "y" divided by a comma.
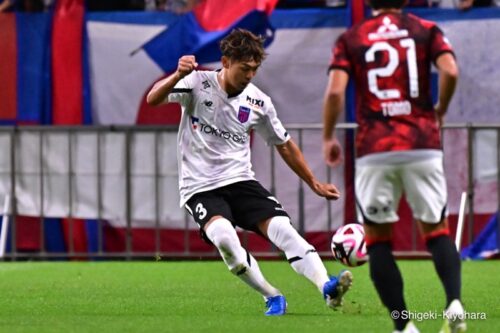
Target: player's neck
{"x": 376, "y": 12}
{"x": 230, "y": 91}
{"x": 221, "y": 80}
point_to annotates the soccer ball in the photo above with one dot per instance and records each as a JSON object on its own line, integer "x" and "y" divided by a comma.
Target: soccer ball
{"x": 348, "y": 245}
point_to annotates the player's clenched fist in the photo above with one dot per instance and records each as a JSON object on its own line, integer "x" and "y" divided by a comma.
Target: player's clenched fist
{"x": 186, "y": 65}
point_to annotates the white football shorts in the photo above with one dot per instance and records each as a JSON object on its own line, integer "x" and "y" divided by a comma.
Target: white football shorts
{"x": 381, "y": 182}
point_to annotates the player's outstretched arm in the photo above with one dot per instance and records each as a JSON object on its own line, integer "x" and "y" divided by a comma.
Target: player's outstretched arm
{"x": 162, "y": 88}
{"x": 333, "y": 105}
{"x": 294, "y": 158}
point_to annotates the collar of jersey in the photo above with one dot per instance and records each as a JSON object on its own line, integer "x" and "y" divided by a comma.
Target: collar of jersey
{"x": 222, "y": 91}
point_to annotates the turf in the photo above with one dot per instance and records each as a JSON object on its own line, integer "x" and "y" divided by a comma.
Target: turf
{"x": 201, "y": 296}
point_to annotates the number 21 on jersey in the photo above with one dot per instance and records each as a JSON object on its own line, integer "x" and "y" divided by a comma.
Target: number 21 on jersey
{"x": 389, "y": 69}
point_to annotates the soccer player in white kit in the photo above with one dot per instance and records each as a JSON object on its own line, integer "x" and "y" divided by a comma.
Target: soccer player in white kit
{"x": 216, "y": 182}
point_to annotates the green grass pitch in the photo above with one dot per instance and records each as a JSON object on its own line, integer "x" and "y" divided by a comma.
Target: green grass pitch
{"x": 203, "y": 296}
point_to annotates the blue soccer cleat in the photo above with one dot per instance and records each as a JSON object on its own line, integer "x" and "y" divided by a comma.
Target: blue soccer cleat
{"x": 276, "y": 305}
{"x": 334, "y": 290}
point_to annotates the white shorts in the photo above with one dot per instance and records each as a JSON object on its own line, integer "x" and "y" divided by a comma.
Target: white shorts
{"x": 379, "y": 187}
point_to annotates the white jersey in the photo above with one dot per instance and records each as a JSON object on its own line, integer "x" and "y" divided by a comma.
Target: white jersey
{"x": 213, "y": 143}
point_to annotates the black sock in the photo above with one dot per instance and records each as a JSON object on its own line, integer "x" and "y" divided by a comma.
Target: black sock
{"x": 387, "y": 279}
{"x": 447, "y": 263}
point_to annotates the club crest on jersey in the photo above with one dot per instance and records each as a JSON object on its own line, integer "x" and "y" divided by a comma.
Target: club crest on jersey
{"x": 243, "y": 114}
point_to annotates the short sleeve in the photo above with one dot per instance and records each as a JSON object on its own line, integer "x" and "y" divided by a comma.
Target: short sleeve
{"x": 439, "y": 44}
{"x": 270, "y": 127}
{"x": 340, "y": 58}
{"x": 182, "y": 92}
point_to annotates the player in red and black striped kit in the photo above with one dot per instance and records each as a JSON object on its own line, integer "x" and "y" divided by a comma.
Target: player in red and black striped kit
{"x": 398, "y": 145}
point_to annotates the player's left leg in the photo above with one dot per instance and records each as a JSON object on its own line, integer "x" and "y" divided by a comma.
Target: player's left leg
{"x": 304, "y": 259}
{"x": 426, "y": 192}
{"x": 447, "y": 264}
{"x": 445, "y": 257}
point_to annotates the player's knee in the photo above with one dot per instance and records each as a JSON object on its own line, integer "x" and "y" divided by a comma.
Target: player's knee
{"x": 433, "y": 230}
{"x": 222, "y": 234}
{"x": 435, "y": 233}
{"x": 377, "y": 232}
{"x": 225, "y": 242}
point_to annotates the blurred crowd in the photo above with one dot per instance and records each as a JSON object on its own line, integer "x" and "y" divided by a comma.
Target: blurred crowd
{"x": 183, "y": 6}
{"x": 25, "y": 5}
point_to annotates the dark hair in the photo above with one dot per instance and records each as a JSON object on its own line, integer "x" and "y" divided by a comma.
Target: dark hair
{"x": 242, "y": 45}
{"x": 378, "y": 4}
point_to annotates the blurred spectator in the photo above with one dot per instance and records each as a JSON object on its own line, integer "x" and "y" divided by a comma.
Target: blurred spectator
{"x": 176, "y": 6}
{"x": 335, "y": 3}
{"x": 180, "y": 6}
{"x": 7, "y": 5}
{"x": 161, "y": 5}
{"x": 466, "y": 4}
{"x": 47, "y": 4}
{"x": 22, "y": 5}
{"x": 301, "y": 3}
{"x": 30, "y": 5}
{"x": 150, "y": 5}
{"x": 136, "y": 4}
{"x": 423, "y": 3}
{"x": 105, "y": 5}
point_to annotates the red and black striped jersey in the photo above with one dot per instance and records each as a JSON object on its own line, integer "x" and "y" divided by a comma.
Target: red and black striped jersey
{"x": 389, "y": 56}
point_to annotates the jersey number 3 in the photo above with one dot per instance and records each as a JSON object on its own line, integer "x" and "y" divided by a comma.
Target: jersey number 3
{"x": 390, "y": 68}
{"x": 201, "y": 211}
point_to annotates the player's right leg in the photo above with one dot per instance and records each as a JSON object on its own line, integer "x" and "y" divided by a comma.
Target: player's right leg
{"x": 223, "y": 235}
{"x": 304, "y": 259}
{"x": 384, "y": 271}
{"x": 209, "y": 211}
{"x": 378, "y": 190}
